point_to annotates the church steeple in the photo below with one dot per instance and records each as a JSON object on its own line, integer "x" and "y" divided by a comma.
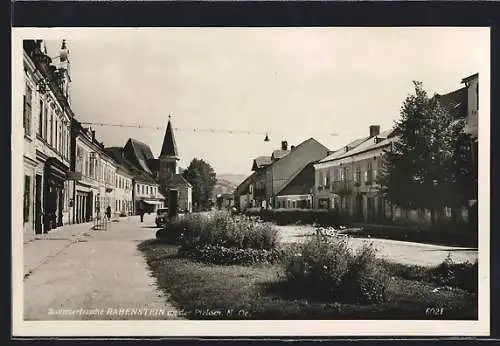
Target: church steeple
{"x": 169, "y": 147}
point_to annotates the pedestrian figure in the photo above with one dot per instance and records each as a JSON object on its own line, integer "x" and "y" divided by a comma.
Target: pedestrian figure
{"x": 108, "y": 212}
{"x": 141, "y": 213}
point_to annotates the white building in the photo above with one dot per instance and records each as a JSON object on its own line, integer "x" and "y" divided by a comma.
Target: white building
{"x": 46, "y": 121}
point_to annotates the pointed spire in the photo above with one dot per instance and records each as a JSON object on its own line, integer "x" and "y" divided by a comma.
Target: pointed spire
{"x": 169, "y": 147}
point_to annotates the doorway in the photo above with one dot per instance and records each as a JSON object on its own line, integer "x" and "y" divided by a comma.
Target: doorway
{"x": 38, "y": 205}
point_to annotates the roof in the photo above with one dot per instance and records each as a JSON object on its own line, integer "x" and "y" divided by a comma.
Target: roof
{"x": 343, "y": 150}
{"x": 169, "y": 147}
{"x": 117, "y": 153}
{"x": 243, "y": 186}
{"x": 278, "y": 154}
{"x": 177, "y": 180}
{"x": 261, "y": 161}
{"x": 471, "y": 77}
{"x": 301, "y": 184}
{"x": 375, "y": 142}
{"x": 138, "y": 153}
{"x": 455, "y": 102}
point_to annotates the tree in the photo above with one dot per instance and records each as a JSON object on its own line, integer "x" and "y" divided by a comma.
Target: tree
{"x": 202, "y": 176}
{"x": 427, "y": 167}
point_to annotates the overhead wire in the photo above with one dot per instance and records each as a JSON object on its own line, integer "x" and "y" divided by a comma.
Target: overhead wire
{"x": 189, "y": 129}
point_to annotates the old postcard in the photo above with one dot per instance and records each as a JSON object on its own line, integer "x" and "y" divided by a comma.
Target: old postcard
{"x": 301, "y": 181}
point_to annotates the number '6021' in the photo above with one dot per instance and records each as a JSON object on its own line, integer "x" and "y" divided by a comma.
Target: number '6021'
{"x": 434, "y": 311}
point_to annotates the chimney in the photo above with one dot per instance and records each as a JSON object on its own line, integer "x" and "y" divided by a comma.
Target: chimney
{"x": 93, "y": 135}
{"x": 292, "y": 147}
{"x": 284, "y": 145}
{"x": 374, "y": 130}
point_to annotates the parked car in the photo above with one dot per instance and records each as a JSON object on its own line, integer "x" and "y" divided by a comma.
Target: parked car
{"x": 161, "y": 217}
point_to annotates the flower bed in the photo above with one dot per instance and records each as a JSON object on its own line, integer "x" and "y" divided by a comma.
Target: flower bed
{"x": 230, "y": 256}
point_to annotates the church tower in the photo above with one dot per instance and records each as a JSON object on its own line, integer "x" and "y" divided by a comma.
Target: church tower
{"x": 169, "y": 156}
{"x": 64, "y": 70}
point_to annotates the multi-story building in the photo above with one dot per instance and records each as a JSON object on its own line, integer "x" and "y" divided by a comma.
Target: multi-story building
{"x": 472, "y": 118}
{"x": 272, "y": 173}
{"x": 347, "y": 179}
{"x": 92, "y": 175}
{"x": 147, "y": 194}
{"x": 46, "y": 119}
{"x": 124, "y": 191}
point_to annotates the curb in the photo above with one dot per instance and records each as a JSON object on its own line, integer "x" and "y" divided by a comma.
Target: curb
{"x": 54, "y": 254}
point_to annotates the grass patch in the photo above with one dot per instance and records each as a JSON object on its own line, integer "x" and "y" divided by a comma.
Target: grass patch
{"x": 207, "y": 291}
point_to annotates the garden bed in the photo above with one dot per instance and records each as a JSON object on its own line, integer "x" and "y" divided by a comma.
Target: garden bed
{"x": 208, "y": 291}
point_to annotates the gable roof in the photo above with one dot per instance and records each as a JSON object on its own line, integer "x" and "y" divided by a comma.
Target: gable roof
{"x": 278, "y": 154}
{"x": 372, "y": 143}
{"x": 243, "y": 186}
{"x": 345, "y": 149}
{"x": 138, "y": 153}
{"x": 177, "y": 180}
{"x": 455, "y": 102}
{"x": 301, "y": 184}
{"x": 169, "y": 147}
{"x": 261, "y": 161}
{"x": 117, "y": 153}
{"x": 469, "y": 78}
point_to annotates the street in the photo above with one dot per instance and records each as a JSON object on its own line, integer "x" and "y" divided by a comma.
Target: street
{"x": 102, "y": 276}
{"x": 392, "y": 250}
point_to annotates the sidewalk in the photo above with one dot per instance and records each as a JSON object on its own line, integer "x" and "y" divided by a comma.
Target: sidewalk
{"x": 40, "y": 248}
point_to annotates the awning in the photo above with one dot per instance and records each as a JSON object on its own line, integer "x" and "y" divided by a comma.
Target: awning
{"x": 149, "y": 201}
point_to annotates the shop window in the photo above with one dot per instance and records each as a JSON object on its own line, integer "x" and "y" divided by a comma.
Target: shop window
{"x": 27, "y": 199}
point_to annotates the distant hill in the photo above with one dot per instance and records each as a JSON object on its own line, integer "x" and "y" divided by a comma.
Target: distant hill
{"x": 227, "y": 183}
{"x": 235, "y": 179}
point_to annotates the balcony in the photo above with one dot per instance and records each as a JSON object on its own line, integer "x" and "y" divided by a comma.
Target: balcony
{"x": 342, "y": 187}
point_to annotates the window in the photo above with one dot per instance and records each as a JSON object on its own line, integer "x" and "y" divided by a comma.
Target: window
{"x": 68, "y": 143}
{"x": 59, "y": 137}
{"x": 137, "y": 188}
{"x": 320, "y": 179}
{"x": 327, "y": 178}
{"x": 142, "y": 189}
{"x": 27, "y": 111}
{"x": 40, "y": 119}
{"x": 27, "y": 200}
{"x": 56, "y": 126}
{"x": 369, "y": 173}
{"x": 51, "y": 127}
{"x": 45, "y": 121}
{"x": 358, "y": 174}
{"x": 79, "y": 159}
{"x": 91, "y": 167}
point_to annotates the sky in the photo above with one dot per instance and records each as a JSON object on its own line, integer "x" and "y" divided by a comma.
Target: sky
{"x": 293, "y": 83}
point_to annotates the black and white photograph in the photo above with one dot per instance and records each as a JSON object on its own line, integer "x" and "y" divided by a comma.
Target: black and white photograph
{"x": 298, "y": 180}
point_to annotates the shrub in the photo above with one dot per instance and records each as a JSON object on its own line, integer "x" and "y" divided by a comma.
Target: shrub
{"x": 221, "y": 255}
{"x": 330, "y": 271}
{"x": 221, "y": 229}
{"x": 305, "y": 216}
{"x": 462, "y": 275}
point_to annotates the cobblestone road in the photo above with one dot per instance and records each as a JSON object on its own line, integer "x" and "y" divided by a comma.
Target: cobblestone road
{"x": 103, "y": 276}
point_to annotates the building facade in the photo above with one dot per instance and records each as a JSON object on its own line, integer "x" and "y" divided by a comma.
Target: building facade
{"x": 347, "y": 179}
{"x": 93, "y": 176}
{"x": 124, "y": 186}
{"x": 272, "y": 173}
{"x": 147, "y": 194}
{"x": 47, "y": 127}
